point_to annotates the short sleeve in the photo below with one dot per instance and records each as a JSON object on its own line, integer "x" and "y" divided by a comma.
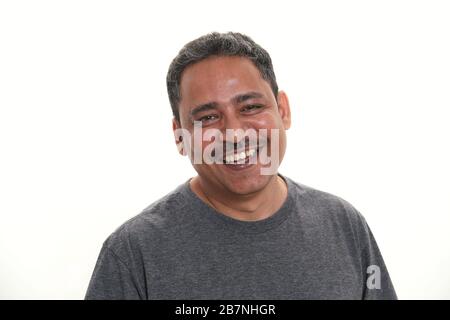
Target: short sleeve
{"x": 377, "y": 282}
{"x": 111, "y": 279}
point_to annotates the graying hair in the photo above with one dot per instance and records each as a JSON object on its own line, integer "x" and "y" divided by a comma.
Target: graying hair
{"x": 217, "y": 44}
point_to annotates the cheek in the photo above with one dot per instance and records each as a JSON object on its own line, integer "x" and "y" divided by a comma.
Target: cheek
{"x": 271, "y": 121}
{"x": 266, "y": 121}
{"x": 199, "y": 149}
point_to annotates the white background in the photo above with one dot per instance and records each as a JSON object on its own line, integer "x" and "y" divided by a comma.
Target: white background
{"x": 85, "y": 124}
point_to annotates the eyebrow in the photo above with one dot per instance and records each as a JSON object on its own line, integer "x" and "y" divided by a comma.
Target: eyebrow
{"x": 235, "y": 100}
{"x": 203, "y": 107}
{"x": 246, "y": 96}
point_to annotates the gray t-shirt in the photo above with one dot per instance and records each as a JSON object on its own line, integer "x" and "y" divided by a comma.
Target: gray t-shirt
{"x": 316, "y": 246}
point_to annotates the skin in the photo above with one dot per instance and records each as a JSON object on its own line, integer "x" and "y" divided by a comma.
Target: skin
{"x": 245, "y": 195}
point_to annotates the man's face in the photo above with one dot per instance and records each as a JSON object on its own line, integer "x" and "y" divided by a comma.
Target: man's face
{"x": 229, "y": 93}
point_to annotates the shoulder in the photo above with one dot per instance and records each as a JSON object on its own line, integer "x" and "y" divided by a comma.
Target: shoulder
{"x": 328, "y": 208}
{"x": 152, "y": 225}
{"x": 320, "y": 199}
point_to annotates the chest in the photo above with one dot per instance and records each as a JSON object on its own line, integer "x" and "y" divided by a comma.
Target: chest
{"x": 283, "y": 268}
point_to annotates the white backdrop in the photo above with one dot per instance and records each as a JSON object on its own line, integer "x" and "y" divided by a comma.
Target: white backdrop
{"x": 85, "y": 124}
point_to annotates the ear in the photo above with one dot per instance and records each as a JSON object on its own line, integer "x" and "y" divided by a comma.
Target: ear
{"x": 284, "y": 109}
{"x": 177, "y": 133}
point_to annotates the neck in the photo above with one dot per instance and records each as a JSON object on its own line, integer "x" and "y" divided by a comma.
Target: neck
{"x": 250, "y": 207}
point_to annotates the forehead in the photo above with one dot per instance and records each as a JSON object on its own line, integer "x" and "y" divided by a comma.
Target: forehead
{"x": 219, "y": 79}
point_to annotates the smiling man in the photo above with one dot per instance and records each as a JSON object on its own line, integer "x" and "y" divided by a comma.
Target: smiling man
{"x": 228, "y": 93}
{"x": 239, "y": 229}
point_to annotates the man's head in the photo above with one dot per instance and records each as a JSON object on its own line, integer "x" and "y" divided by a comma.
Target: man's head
{"x": 217, "y": 44}
{"x": 226, "y": 81}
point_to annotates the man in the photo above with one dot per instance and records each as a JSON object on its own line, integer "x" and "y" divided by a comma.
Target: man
{"x": 239, "y": 229}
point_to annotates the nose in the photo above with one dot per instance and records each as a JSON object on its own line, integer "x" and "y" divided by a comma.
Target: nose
{"x": 234, "y": 128}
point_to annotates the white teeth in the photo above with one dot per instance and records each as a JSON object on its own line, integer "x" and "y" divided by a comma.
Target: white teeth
{"x": 239, "y": 156}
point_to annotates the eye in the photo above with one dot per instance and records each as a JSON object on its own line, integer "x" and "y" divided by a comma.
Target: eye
{"x": 251, "y": 107}
{"x": 208, "y": 118}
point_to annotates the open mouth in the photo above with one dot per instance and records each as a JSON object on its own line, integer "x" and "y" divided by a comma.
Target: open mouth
{"x": 241, "y": 157}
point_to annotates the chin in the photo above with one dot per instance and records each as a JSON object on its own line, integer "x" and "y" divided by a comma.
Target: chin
{"x": 247, "y": 185}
